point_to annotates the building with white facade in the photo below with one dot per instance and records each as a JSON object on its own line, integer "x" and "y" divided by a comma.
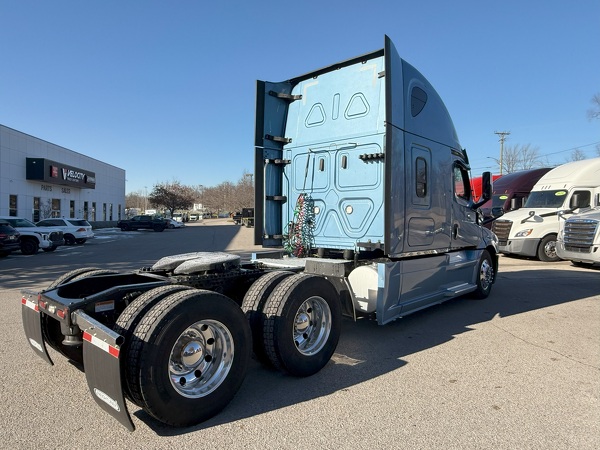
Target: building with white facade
{"x": 39, "y": 179}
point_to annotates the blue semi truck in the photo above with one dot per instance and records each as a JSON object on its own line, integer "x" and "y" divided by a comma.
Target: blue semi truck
{"x": 363, "y": 206}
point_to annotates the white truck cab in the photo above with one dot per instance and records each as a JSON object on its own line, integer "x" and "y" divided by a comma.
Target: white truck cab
{"x": 579, "y": 237}
{"x": 532, "y": 230}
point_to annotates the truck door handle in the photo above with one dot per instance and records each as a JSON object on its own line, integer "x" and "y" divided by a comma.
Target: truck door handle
{"x": 454, "y": 231}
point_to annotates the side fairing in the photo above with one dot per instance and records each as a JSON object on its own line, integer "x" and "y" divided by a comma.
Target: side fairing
{"x": 272, "y": 103}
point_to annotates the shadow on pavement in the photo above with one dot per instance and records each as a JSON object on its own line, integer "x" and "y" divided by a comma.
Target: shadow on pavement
{"x": 367, "y": 350}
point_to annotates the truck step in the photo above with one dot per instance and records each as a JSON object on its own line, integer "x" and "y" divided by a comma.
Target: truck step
{"x": 459, "y": 289}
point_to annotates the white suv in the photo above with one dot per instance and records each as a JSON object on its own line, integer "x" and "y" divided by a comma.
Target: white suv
{"x": 76, "y": 231}
{"x": 33, "y": 237}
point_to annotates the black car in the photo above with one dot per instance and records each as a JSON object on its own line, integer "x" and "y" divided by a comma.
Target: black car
{"x": 9, "y": 239}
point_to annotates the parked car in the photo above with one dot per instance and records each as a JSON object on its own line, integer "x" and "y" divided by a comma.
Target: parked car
{"x": 144, "y": 221}
{"x": 9, "y": 239}
{"x": 75, "y": 231}
{"x": 171, "y": 223}
{"x": 33, "y": 237}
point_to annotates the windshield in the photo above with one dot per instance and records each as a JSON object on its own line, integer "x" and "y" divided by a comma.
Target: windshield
{"x": 546, "y": 199}
{"x": 499, "y": 199}
{"x": 20, "y": 223}
{"x": 79, "y": 222}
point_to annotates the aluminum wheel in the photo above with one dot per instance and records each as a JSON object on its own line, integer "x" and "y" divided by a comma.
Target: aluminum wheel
{"x": 201, "y": 358}
{"x": 486, "y": 275}
{"x": 550, "y": 249}
{"x": 312, "y": 325}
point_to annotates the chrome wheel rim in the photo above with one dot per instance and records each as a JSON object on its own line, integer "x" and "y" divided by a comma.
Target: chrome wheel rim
{"x": 486, "y": 275}
{"x": 201, "y": 358}
{"x": 550, "y": 249}
{"x": 312, "y": 325}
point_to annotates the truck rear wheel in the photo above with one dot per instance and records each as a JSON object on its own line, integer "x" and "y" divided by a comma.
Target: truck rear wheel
{"x": 93, "y": 273}
{"x": 253, "y": 305}
{"x": 189, "y": 356}
{"x": 547, "y": 249}
{"x": 68, "y": 276}
{"x": 302, "y": 324}
{"x": 128, "y": 321}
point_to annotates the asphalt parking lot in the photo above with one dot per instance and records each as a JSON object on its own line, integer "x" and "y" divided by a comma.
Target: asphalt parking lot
{"x": 519, "y": 370}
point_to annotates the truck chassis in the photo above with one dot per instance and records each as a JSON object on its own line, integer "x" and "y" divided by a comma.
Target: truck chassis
{"x": 178, "y": 344}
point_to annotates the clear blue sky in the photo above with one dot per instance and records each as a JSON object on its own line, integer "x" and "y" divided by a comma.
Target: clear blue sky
{"x": 166, "y": 89}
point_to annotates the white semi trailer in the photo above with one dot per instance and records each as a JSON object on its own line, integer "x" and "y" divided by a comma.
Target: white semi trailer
{"x": 363, "y": 203}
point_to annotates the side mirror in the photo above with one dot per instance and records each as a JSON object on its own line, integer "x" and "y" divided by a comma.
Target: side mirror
{"x": 486, "y": 185}
{"x": 516, "y": 203}
{"x": 486, "y": 189}
{"x": 497, "y": 211}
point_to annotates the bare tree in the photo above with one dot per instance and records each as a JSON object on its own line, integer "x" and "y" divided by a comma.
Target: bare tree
{"x": 228, "y": 197}
{"x": 577, "y": 155}
{"x": 244, "y": 192}
{"x": 520, "y": 157}
{"x": 594, "y": 112}
{"x": 135, "y": 200}
{"x": 46, "y": 209}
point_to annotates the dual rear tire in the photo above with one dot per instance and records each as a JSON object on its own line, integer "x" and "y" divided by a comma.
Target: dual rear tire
{"x": 295, "y": 321}
{"x": 188, "y": 353}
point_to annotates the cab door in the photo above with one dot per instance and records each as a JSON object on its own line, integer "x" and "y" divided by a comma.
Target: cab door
{"x": 464, "y": 232}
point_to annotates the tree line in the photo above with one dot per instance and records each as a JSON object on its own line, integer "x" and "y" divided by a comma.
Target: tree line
{"x": 173, "y": 196}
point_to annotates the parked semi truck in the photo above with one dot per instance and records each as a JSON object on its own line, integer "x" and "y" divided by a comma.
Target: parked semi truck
{"x": 363, "y": 204}
{"x": 532, "y": 230}
{"x": 579, "y": 237}
{"x": 510, "y": 192}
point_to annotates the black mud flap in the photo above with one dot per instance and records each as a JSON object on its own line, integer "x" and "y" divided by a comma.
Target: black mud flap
{"x": 102, "y": 365}
{"x": 32, "y": 324}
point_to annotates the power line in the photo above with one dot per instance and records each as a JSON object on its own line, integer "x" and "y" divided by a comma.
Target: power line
{"x": 544, "y": 155}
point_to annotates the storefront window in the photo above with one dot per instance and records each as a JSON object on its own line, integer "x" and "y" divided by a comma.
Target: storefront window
{"x": 85, "y": 210}
{"x": 93, "y": 211}
{"x": 12, "y": 205}
{"x": 55, "y": 207}
{"x": 36, "y": 209}
{"x": 72, "y": 208}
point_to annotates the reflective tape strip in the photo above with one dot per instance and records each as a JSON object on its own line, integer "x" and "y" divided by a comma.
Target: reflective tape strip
{"x": 113, "y": 351}
{"x": 29, "y": 304}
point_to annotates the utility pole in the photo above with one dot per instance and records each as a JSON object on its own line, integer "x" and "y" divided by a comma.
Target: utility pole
{"x": 502, "y": 135}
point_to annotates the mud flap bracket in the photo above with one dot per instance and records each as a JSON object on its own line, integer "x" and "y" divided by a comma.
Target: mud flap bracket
{"x": 102, "y": 365}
